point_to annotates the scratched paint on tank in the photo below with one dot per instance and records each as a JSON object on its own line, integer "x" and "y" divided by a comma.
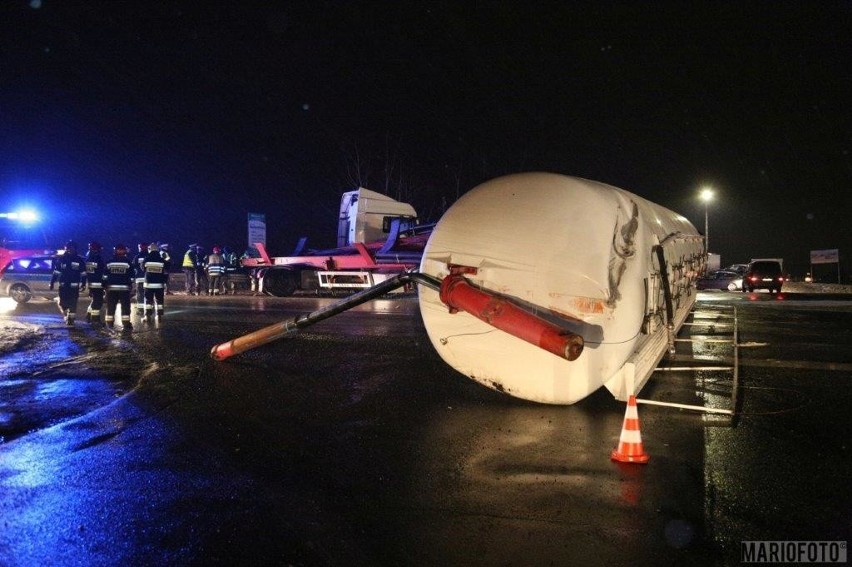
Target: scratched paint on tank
{"x": 577, "y": 249}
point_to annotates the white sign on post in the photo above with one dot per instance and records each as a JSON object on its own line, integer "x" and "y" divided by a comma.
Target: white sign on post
{"x": 825, "y": 256}
{"x": 831, "y": 256}
{"x": 256, "y": 228}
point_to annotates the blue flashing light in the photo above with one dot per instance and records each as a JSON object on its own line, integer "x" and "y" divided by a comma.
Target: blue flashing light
{"x": 24, "y": 216}
{"x": 27, "y": 216}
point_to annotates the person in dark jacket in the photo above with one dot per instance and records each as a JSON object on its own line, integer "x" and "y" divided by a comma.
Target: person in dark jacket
{"x": 118, "y": 280}
{"x": 94, "y": 278}
{"x": 155, "y": 267}
{"x": 232, "y": 271}
{"x": 256, "y": 273}
{"x": 201, "y": 270}
{"x": 138, "y": 260}
{"x": 68, "y": 270}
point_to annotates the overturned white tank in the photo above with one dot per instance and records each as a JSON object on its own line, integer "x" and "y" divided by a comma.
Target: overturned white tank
{"x": 594, "y": 260}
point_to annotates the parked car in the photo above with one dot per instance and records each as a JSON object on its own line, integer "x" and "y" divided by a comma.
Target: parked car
{"x": 27, "y": 277}
{"x": 764, "y": 274}
{"x": 741, "y": 269}
{"x": 721, "y": 279}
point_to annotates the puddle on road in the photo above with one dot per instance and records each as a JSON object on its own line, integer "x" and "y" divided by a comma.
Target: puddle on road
{"x": 27, "y": 358}
{"x": 29, "y": 404}
{"x": 49, "y": 374}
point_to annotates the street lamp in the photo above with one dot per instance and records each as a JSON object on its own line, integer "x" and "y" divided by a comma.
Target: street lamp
{"x": 706, "y": 196}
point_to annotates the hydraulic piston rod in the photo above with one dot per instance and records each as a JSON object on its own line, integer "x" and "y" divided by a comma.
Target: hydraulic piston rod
{"x": 278, "y": 330}
{"x": 457, "y": 293}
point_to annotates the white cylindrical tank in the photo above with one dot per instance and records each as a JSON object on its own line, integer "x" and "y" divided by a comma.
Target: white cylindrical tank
{"x": 577, "y": 253}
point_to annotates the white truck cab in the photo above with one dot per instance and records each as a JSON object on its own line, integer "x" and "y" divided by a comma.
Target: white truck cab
{"x": 365, "y": 216}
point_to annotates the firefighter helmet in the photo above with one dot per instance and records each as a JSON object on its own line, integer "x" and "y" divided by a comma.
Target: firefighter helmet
{"x": 120, "y": 249}
{"x": 71, "y": 245}
{"x": 143, "y": 246}
{"x": 95, "y": 246}
{"x": 217, "y": 250}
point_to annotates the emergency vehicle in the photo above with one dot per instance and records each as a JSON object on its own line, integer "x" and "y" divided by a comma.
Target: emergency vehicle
{"x": 19, "y": 237}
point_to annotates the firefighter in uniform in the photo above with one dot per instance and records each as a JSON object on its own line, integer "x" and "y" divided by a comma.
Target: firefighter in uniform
{"x": 138, "y": 260}
{"x": 155, "y": 282}
{"x": 68, "y": 270}
{"x": 95, "y": 268}
{"x": 215, "y": 266}
{"x": 232, "y": 265}
{"x": 118, "y": 281}
{"x": 167, "y": 259}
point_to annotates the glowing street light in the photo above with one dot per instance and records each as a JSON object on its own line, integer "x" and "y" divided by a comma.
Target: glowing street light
{"x": 706, "y": 195}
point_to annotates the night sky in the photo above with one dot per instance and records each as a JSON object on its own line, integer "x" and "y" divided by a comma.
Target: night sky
{"x": 133, "y": 121}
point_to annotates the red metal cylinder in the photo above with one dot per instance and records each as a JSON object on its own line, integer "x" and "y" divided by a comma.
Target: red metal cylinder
{"x": 458, "y": 294}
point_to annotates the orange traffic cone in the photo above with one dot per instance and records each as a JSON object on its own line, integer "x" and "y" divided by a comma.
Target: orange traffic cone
{"x": 629, "y": 448}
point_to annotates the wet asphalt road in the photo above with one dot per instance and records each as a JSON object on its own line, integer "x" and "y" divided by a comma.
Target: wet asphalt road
{"x": 352, "y": 443}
